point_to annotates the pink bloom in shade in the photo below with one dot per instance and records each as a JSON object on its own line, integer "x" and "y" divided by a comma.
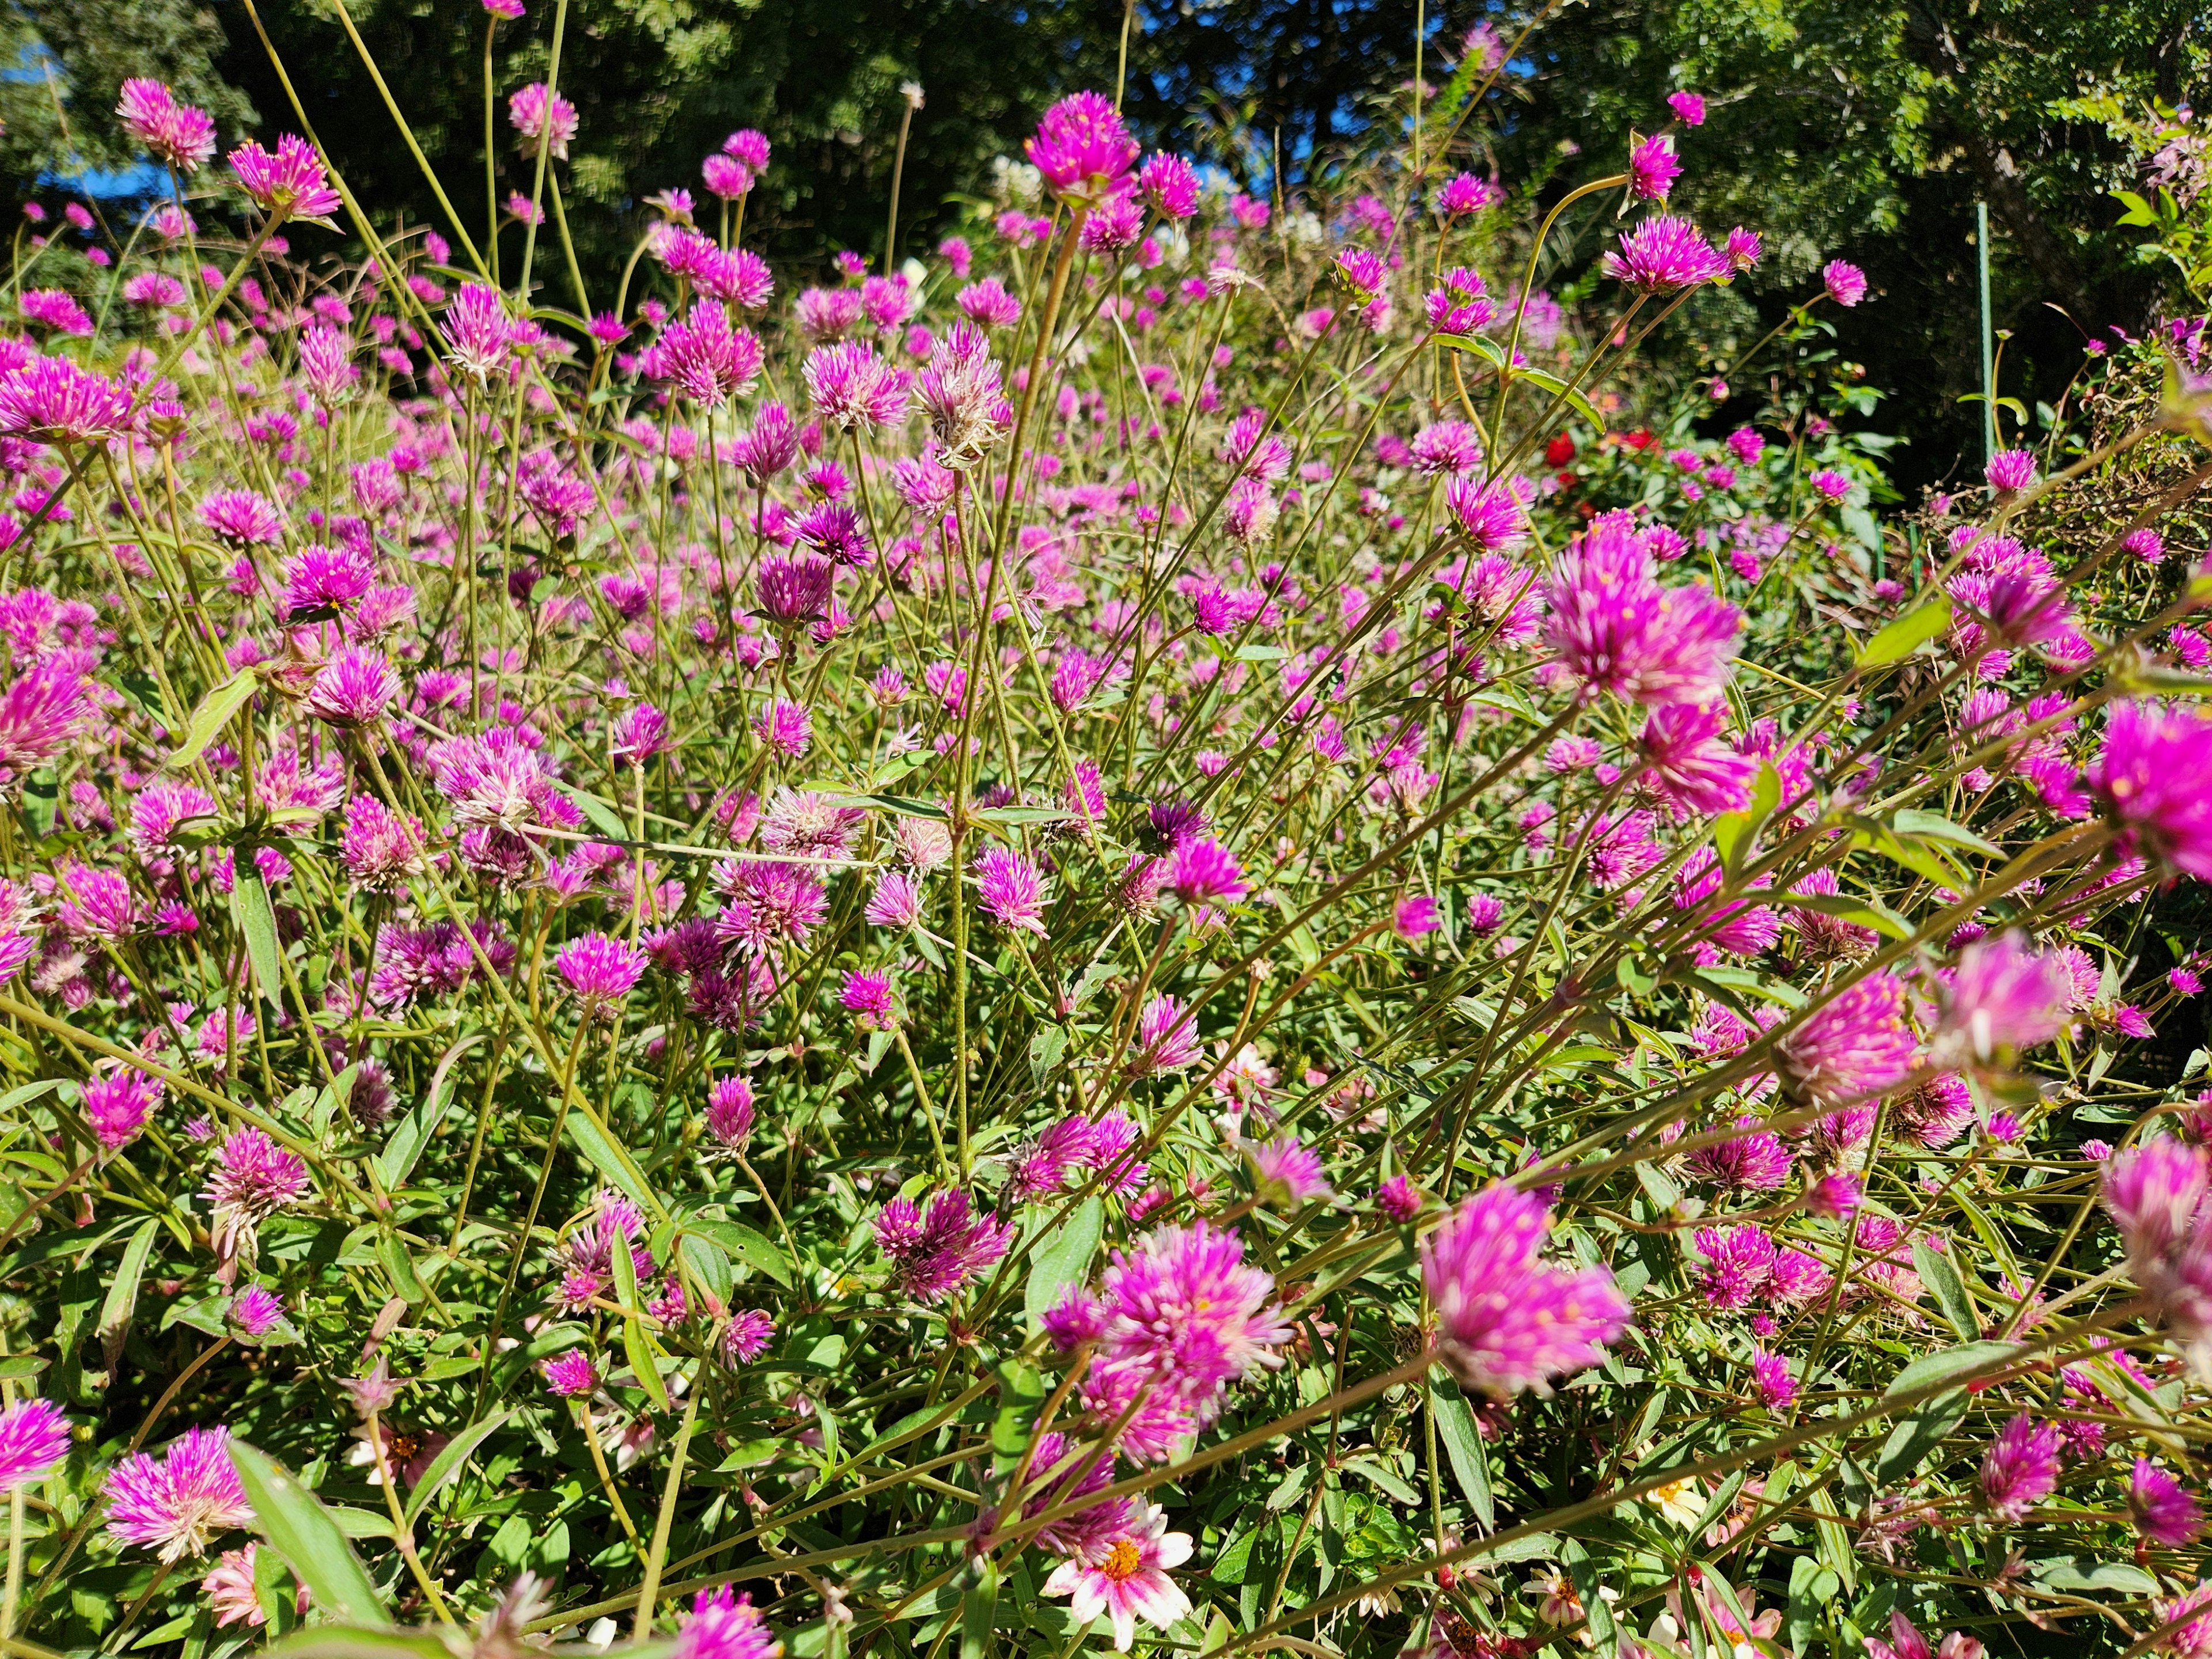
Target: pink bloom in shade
{"x": 571, "y": 1375}
{"x": 507, "y": 10}
{"x": 2145, "y": 543}
{"x": 1081, "y": 148}
{"x": 1127, "y": 1579}
{"x": 1166, "y": 1039}
{"x": 54, "y": 401}
{"x": 725, "y": 1625}
{"x": 178, "y": 1502}
{"x": 1689, "y": 766}
{"x": 931, "y": 1259}
{"x": 1844, "y": 283}
{"x": 290, "y": 183}
{"x": 1778, "y": 1389}
{"x": 355, "y": 688}
{"x": 1742, "y": 251}
{"x": 785, "y": 728}
{"x": 1617, "y": 630}
{"x": 39, "y": 714}
{"x": 749, "y": 145}
{"x": 35, "y": 1435}
{"x": 854, "y": 389}
{"x": 255, "y": 1311}
{"x": 869, "y": 999}
{"x": 1463, "y": 194}
{"x": 2191, "y": 1640}
{"x": 2010, "y": 470}
{"x": 1287, "y": 1170}
{"x": 1414, "y": 915}
{"x": 730, "y": 1111}
{"x": 2000, "y": 998}
{"x": 1832, "y": 484}
{"x": 2020, "y": 1467}
{"x": 1506, "y": 1320}
{"x": 2166, "y": 1511}
{"x": 1853, "y": 1046}
{"x": 1203, "y": 872}
{"x": 1011, "y": 891}
{"x": 2155, "y": 780}
{"x": 1490, "y": 516}
{"x": 1689, "y": 108}
{"x": 1170, "y": 185}
{"x": 1652, "y": 168}
{"x": 1905, "y": 1642}
{"x": 1664, "y": 254}
{"x": 1486, "y": 915}
{"x": 726, "y": 176}
{"x": 254, "y": 1177}
{"x": 1755, "y": 1160}
{"x": 600, "y": 971}
{"x": 747, "y": 1338}
{"x": 176, "y": 135}
{"x": 118, "y": 1105}
{"x": 1460, "y": 304}
{"x": 1397, "y": 1198}
{"x": 1739, "y": 1264}
{"x": 1835, "y": 1196}
{"x": 529, "y": 109}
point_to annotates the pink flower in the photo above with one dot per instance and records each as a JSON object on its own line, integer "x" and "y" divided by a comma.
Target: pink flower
{"x": 479, "y": 332}
{"x": 354, "y": 687}
{"x": 2165, "y": 1513}
{"x": 35, "y": 1435}
{"x": 794, "y": 589}
{"x": 1081, "y": 148}
{"x": 600, "y": 971}
{"x": 868, "y": 998}
{"x": 1204, "y": 872}
{"x": 1166, "y": 1039}
{"x": 1463, "y": 194}
{"x": 54, "y": 401}
{"x": 747, "y": 1338}
{"x": 1397, "y": 1198}
{"x": 931, "y": 1259}
{"x": 1288, "y": 1171}
{"x": 253, "y": 1177}
{"x": 727, "y": 177}
{"x": 1755, "y": 1160}
{"x": 39, "y": 714}
{"x": 2020, "y": 1467}
{"x": 1689, "y": 108}
{"x": 233, "y": 1596}
{"x": 1617, "y": 630}
{"x": 750, "y": 147}
{"x": 176, "y": 1504}
{"x": 1778, "y": 1389}
{"x": 708, "y": 360}
{"x": 785, "y": 728}
{"x": 1126, "y": 1579}
{"x": 1852, "y": 1045}
{"x": 256, "y": 1311}
{"x": 529, "y": 110}
{"x": 1652, "y": 168}
{"x": 1846, "y": 284}
{"x": 1486, "y": 915}
{"x": 1414, "y": 915}
{"x": 1490, "y": 516}
{"x": 1739, "y": 1264}
{"x": 2000, "y": 998}
{"x": 118, "y": 1105}
{"x": 1506, "y": 1320}
{"x": 1663, "y": 254}
{"x": 289, "y": 184}
{"x": 1169, "y": 184}
{"x": 571, "y": 1375}
{"x": 2011, "y": 470}
{"x": 854, "y": 389}
{"x": 730, "y": 1111}
{"x": 51, "y": 307}
{"x": 724, "y": 1625}
{"x": 2155, "y": 780}
{"x": 1011, "y": 891}
{"x": 1689, "y": 767}
{"x": 176, "y": 135}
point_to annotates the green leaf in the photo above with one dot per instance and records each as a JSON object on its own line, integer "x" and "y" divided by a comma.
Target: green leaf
{"x": 1736, "y": 833}
{"x": 123, "y": 1292}
{"x": 1045, "y": 1050}
{"x": 1488, "y": 350}
{"x": 1604, "y": 1630}
{"x": 299, "y": 1528}
{"x": 1063, "y": 1260}
{"x": 1934, "y": 826}
{"x": 399, "y": 1268}
{"x": 1463, "y": 1447}
{"x": 979, "y": 1610}
{"x": 637, "y": 1342}
{"x": 256, "y": 921}
{"x": 2085, "y": 1573}
{"x": 1865, "y": 913}
{"x": 1559, "y": 388}
{"x": 709, "y": 1264}
{"x": 420, "y": 1127}
{"x": 214, "y": 713}
{"x": 603, "y": 817}
{"x": 340, "y": 1641}
{"x": 749, "y": 1247}
{"x": 610, "y": 1158}
{"x": 1899, "y": 639}
{"x": 1947, "y": 1362}
{"x": 1812, "y": 1587}
{"x": 1941, "y": 1276}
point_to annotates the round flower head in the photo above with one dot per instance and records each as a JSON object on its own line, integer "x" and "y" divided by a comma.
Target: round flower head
{"x": 254, "y": 1177}
{"x": 1652, "y": 168}
{"x": 1011, "y": 891}
{"x": 1287, "y": 1170}
{"x": 1664, "y": 254}
{"x": 2154, "y": 779}
{"x": 730, "y": 1111}
{"x": 2165, "y": 1511}
{"x": 1618, "y": 630}
{"x": 1082, "y": 149}
{"x": 538, "y": 113}
{"x": 1169, "y": 185}
{"x": 287, "y": 183}
{"x": 1846, "y": 284}
{"x": 1506, "y": 1320}
{"x": 35, "y": 1435}
{"x": 2020, "y": 1467}
{"x": 1853, "y": 1046}
{"x": 174, "y": 134}
{"x": 747, "y": 1338}
{"x": 178, "y": 1502}
{"x": 1689, "y": 108}
{"x": 600, "y": 971}
{"x": 725, "y": 1625}
{"x": 2000, "y": 998}
{"x": 571, "y": 1375}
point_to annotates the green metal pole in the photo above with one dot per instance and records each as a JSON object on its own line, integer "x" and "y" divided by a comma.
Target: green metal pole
{"x": 1989, "y": 335}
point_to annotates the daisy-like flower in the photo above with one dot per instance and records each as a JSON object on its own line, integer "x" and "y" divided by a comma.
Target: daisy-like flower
{"x": 1506, "y": 1320}
{"x": 35, "y": 1435}
{"x": 1127, "y": 1579}
{"x": 177, "y": 1504}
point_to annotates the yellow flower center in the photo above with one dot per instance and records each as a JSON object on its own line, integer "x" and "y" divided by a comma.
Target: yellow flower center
{"x": 1122, "y": 1561}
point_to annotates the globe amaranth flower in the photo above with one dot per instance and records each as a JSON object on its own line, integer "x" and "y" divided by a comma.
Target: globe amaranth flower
{"x": 254, "y": 1177}
{"x": 53, "y": 400}
{"x": 118, "y": 1105}
{"x": 1853, "y": 1046}
{"x": 1464, "y": 194}
{"x": 2000, "y": 999}
{"x": 1082, "y": 148}
{"x": 1459, "y": 303}
{"x": 747, "y": 1336}
{"x": 1617, "y": 630}
{"x": 2153, "y": 779}
{"x": 1166, "y": 1038}
{"x": 1126, "y": 1579}
{"x": 1844, "y": 283}
{"x": 932, "y": 1258}
{"x": 287, "y": 183}
{"x": 852, "y": 388}
{"x": 2020, "y": 1467}
{"x": 2011, "y": 470}
{"x": 1652, "y": 168}
{"x": 1664, "y": 254}
{"x": 1286, "y": 1171}
{"x": 1011, "y": 891}
{"x": 705, "y": 358}
{"x": 178, "y": 1502}
{"x": 1170, "y": 185}
{"x": 869, "y": 999}
{"x": 536, "y": 112}
{"x": 725, "y": 1625}
{"x": 2165, "y": 1512}
{"x": 1505, "y": 1320}
{"x": 176, "y": 135}
{"x": 1688, "y": 765}
{"x": 355, "y": 688}
{"x": 35, "y": 1435}
{"x": 600, "y": 971}
{"x": 571, "y": 1376}
{"x": 1689, "y": 108}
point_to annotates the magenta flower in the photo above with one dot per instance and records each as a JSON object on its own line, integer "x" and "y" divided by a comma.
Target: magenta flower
{"x": 1126, "y": 1578}
{"x": 35, "y": 1435}
{"x": 2000, "y": 999}
{"x": 289, "y": 184}
{"x": 748, "y": 1336}
{"x": 1415, "y": 915}
{"x": 52, "y": 308}
{"x": 2165, "y": 1511}
{"x": 750, "y": 145}
{"x": 118, "y": 1105}
{"x": 1778, "y": 1389}
{"x": 1166, "y": 1039}
{"x": 254, "y": 1177}
{"x": 530, "y": 111}
{"x": 2010, "y": 470}
{"x": 1664, "y": 254}
{"x": 1853, "y": 1046}
{"x": 2020, "y": 1467}
{"x": 2154, "y": 780}
{"x": 708, "y": 360}
{"x": 1011, "y": 891}
{"x": 794, "y": 589}
{"x": 1204, "y": 872}
{"x": 600, "y": 971}
{"x": 1397, "y": 1198}
{"x": 1287, "y": 1171}
{"x": 931, "y": 1259}
{"x": 854, "y": 389}
{"x": 176, "y": 1502}
{"x": 1689, "y": 767}
{"x": 572, "y": 1375}
{"x": 1739, "y": 1264}
{"x": 1846, "y": 284}
{"x": 727, "y": 177}
{"x": 1506, "y": 1320}
{"x": 724, "y": 1625}
{"x": 1490, "y": 516}
{"x": 1689, "y": 108}
{"x": 1082, "y": 148}
{"x": 54, "y": 401}
{"x": 869, "y": 999}
{"x": 175, "y": 134}
{"x": 355, "y": 688}
{"x": 479, "y": 334}
{"x": 896, "y": 902}
{"x": 1617, "y": 630}
{"x": 785, "y": 728}
{"x": 39, "y": 714}
{"x": 1486, "y": 915}
{"x": 1652, "y": 168}
{"x": 1170, "y": 185}
{"x": 730, "y": 1111}
{"x": 1755, "y": 1160}
{"x": 256, "y": 1311}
